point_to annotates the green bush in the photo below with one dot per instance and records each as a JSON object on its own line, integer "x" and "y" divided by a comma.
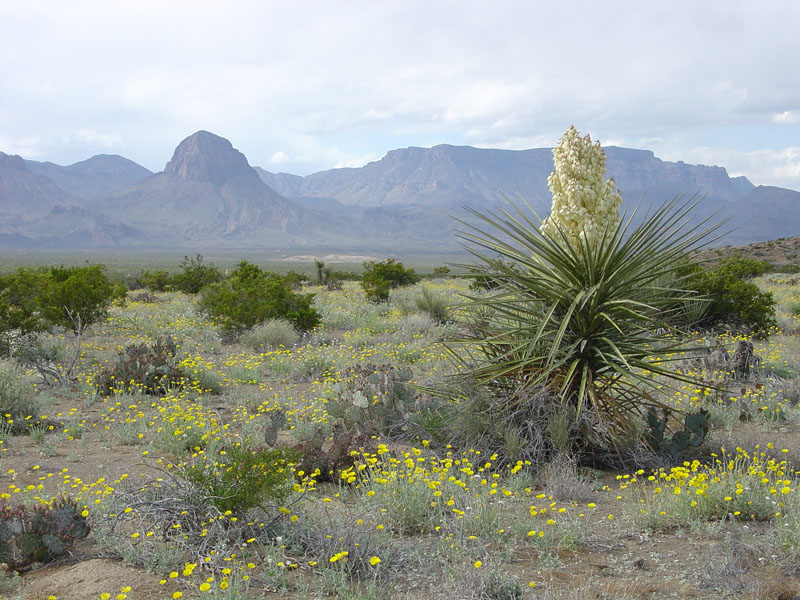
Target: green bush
{"x": 242, "y": 478}
{"x": 271, "y": 334}
{"x": 194, "y": 275}
{"x": 788, "y": 268}
{"x": 76, "y": 297}
{"x": 155, "y": 281}
{"x": 379, "y": 278}
{"x": 733, "y": 299}
{"x": 251, "y": 296}
{"x": 17, "y": 396}
{"x": 19, "y": 314}
{"x": 35, "y": 300}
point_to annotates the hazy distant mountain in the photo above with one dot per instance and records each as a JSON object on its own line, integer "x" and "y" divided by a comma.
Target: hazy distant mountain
{"x": 443, "y": 179}
{"x": 209, "y": 196}
{"x": 24, "y": 194}
{"x": 34, "y": 212}
{"x": 209, "y": 192}
{"x": 96, "y": 177}
{"x": 766, "y": 213}
{"x": 455, "y": 176}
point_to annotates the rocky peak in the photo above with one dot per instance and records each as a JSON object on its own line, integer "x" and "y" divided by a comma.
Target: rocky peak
{"x": 12, "y": 161}
{"x": 204, "y": 156}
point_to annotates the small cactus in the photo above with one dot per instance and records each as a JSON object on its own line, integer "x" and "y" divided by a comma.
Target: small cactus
{"x": 149, "y": 367}
{"x": 373, "y": 397}
{"x": 39, "y": 534}
{"x": 695, "y": 429}
{"x": 274, "y": 421}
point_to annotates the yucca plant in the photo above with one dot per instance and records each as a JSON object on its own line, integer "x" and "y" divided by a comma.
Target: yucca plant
{"x": 588, "y": 321}
{"x": 580, "y": 303}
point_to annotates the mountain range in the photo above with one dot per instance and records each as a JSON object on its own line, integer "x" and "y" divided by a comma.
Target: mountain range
{"x": 208, "y": 196}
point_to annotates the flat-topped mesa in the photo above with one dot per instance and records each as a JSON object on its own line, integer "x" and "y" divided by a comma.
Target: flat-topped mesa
{"x": 204, "y": 156}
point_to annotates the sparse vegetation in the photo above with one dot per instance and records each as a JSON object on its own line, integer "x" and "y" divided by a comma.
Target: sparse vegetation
{"x": 576, "y": 442}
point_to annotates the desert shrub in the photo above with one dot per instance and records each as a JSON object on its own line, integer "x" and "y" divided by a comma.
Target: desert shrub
{"x": 17, "y": 396}
{"x": 336, "y": 275}
{"x": 379, "y": 278}
{"x": 441, "y": 272}
{"x": 433, "y": 304}
{"x": 147, "y": 368}
{"x": 76, "y": 297}
{"x": 530, "y": 425}
{"x": 156, "y": 281}
{"x": 207, "y": 382}
{"x": 789, "y": 268}
{"x": 241, "y": 479}
{"x": 251, "y": 296}
{"x": 295, "y": 279}
{"x": 186, "y": 524}
{"x": 42, "y": 533}
{"x": 19, "y": 314}
{"x": 144, "y": 298}
{"x": 34, "y": 301}
{"x": 733, "y": 298}
{"x": 271, "y": 334}
{"x": 354, "y": 539}
{"x": 195, "y": 274}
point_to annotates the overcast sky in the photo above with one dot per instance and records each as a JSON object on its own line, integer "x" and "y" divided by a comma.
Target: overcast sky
{"x": 302, "y": 86}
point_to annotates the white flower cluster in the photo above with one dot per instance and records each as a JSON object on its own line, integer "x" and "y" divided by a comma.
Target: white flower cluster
{"x": 584, "y": 203}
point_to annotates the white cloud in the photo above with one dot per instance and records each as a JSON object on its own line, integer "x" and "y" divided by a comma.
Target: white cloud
{"x": 278, "y": 158}
{"x": 94, "y": 138}
{"x": 356, "y": 161}
{"x": 787, "y": 117}
{"x": 779, "y": 167}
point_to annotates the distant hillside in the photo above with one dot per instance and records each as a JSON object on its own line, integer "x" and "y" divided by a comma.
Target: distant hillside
{"x": 779, "y": 252}
{"x": 36, "y": 213}
{"x": 96, "y": 177}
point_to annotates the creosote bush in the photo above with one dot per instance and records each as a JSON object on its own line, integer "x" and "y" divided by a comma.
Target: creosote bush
{"x": 380, "y": 278}
{"x": 251, "y": 296}
{"x": 195, "y": 274}
{"x": 241, "y": 478}
{"x": 733, "y": 299}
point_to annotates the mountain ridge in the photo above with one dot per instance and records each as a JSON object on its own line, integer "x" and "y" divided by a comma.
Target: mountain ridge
{"x": 209, "y": 195}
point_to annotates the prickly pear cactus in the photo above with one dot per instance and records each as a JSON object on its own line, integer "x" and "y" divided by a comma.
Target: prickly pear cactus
{"x": 274, "y": 421}
{"x": 39, "y": 534}
{"x": 151, "y": 368}
{"x": 695, "y": 429}
{"x": 373, "y": 397}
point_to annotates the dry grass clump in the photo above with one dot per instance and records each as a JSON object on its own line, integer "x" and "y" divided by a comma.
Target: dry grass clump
{"x": 272, "y": 334}
{"x": 18, "y": 400}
